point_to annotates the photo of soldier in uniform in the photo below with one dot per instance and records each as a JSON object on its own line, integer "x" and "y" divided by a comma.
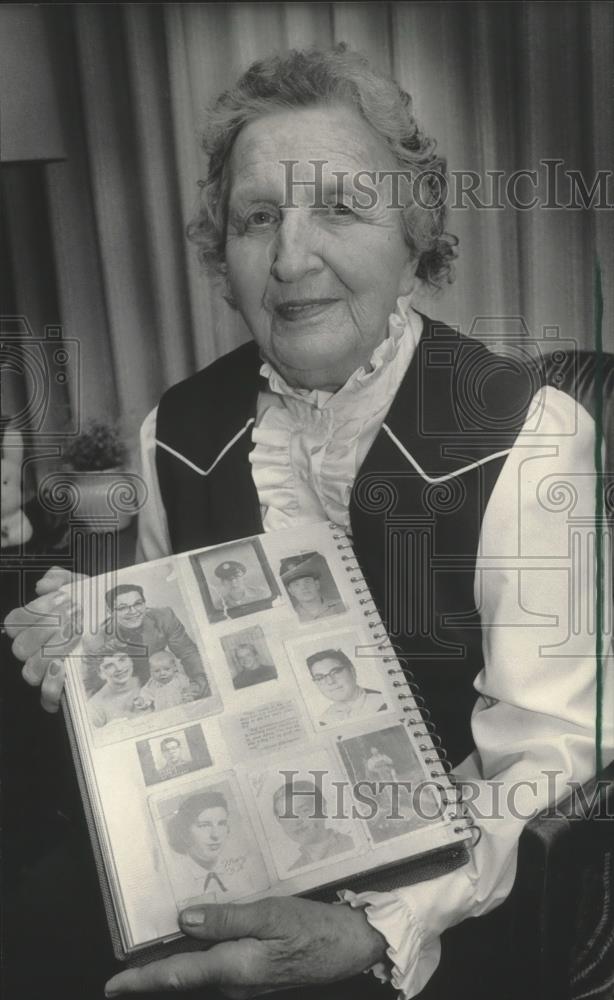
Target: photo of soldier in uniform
{"x": 235, "y": 580}
{"x": 311, "y": 587}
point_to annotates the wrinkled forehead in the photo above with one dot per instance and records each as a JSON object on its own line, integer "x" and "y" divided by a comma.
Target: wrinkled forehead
{"x": 283, "y": 145}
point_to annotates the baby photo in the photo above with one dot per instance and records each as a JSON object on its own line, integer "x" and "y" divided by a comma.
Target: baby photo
{"x": 208, "y": 844}
{"x": 235, "y": 580}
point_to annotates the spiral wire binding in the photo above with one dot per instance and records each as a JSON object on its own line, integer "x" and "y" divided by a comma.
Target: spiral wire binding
{"x": 425, "y": 737}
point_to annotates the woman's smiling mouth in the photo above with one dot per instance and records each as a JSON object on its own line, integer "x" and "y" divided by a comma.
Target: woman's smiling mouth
{"x": 299, "y": 309}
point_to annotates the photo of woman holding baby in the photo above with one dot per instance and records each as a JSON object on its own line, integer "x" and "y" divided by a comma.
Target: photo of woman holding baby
{"x": 141, "y": 658}
{"x": 121, "y": 694}
{"x": 136, "y": 628}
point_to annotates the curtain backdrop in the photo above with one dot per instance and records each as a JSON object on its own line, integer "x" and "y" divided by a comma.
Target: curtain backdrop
{"x": 501, "y": 86}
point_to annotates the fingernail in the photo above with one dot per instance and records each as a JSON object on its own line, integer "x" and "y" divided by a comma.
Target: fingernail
{"x": 109, "y": 991}
{"x": 193, "y": 918}
{"x": 55, "y": 668}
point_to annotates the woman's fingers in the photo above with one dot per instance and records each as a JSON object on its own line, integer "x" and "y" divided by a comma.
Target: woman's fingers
{"x": 43, "y": 638}
{"x": 55, "y": 578}
{"x": 52, "y": 685}
{"x": 42, "y": 611}
{"x": 45, "y": 631}
{"x": 35, "y": 668}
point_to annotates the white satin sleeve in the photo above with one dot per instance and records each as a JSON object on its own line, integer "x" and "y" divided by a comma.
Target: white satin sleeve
{"x": 536, "y": 713}
{"x": 153, "y": 541}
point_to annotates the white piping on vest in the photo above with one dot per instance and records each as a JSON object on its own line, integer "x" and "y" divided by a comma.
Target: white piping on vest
{"x": 196, "y": 468}
{"x": 449, "y": 475}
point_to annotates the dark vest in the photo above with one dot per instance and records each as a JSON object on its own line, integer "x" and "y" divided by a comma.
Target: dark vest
{"x": 415, "y": 540}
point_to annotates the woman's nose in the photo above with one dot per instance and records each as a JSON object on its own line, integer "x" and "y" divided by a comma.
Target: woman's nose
{"x": 296, "y": 250}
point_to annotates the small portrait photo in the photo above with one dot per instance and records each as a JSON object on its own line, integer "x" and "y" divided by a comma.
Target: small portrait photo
{"x": 249, "y": 658}
{"x": 310, "y": 586}
{"x": 141, "y": 658}
{"x": 338, "y": 686}
{"x": 209, "y": 845}
{"x": 235, "y": 580}
{"x": 173, "y": 754}
{"x": 300, "y": 815}
{"x": 387, "y": 758}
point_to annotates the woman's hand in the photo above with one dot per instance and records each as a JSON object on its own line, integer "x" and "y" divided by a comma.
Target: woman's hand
{"x": 44, "y": 632}
{"x": 255, "y": 948}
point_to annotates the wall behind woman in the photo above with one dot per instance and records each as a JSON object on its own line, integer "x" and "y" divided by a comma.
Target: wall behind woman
{"x": 502, "y": 87}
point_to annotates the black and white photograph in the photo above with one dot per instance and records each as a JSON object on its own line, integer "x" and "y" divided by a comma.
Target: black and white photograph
{"x": 141, "y": 659}
{"x": 401, "y": 797}
{"x": 248, "y": 657}
{"x": 299, "y": 809}
{"x": 208, "y": 843}
{"x": 163, "y": 758}
{"x": 311, "y": 587}
{"x": 337, "y": 684}
{"x": 235, "y": 580}
{"x": 143, "y": 614}
{"x": 268, "y": 266}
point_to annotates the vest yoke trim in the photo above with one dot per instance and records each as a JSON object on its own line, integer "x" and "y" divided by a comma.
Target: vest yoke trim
{"x": 448, "y": 475}
{"x": 225, "y": 449}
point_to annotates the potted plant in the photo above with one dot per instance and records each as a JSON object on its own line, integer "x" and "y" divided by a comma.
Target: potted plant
{"x": 95, "y": 459}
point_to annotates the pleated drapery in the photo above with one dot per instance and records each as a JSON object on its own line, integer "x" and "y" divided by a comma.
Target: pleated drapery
{"x": 501, "y": 86}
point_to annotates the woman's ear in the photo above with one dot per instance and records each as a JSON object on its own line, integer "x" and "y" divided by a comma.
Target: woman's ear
{"x": 408, "y": 280}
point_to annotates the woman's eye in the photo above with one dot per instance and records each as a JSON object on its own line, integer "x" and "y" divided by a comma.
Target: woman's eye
{"x": 337, "y": 210}
{"x": 261, "y": 217}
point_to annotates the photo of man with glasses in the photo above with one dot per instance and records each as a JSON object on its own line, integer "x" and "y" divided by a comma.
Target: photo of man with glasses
{"x": 335, "y": 676}
{"x": 131, "y": 624}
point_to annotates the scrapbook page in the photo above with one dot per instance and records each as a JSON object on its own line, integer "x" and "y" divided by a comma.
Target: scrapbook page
{"x": 242, "y": 727}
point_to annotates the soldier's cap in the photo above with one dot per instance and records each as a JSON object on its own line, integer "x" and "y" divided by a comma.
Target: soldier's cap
{"x": 296, "y": 567}
{"x": 228, "y": 570}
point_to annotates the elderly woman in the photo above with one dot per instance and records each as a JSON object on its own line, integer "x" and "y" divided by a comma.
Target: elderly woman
{"x": 323, "y": 212}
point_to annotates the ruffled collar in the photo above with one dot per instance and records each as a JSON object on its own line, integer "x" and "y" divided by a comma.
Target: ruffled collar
{"x": 403, "y": 322}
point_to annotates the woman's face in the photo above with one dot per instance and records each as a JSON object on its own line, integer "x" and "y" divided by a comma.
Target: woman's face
{"x": 116, "y": 670}
{"x": 315, "y": 285}
{"x": 208, "y": 834}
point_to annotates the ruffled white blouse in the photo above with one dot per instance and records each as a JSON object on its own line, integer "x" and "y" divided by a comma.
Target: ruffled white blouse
{"x": 310, "y": 444}
{"x": 535, "y": 713}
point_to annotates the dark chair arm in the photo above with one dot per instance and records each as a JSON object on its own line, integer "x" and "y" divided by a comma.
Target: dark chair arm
{"x": 562, "y": 922}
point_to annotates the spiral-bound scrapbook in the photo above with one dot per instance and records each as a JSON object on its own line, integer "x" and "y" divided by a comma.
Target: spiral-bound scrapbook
{"x": 242, "y": 728}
